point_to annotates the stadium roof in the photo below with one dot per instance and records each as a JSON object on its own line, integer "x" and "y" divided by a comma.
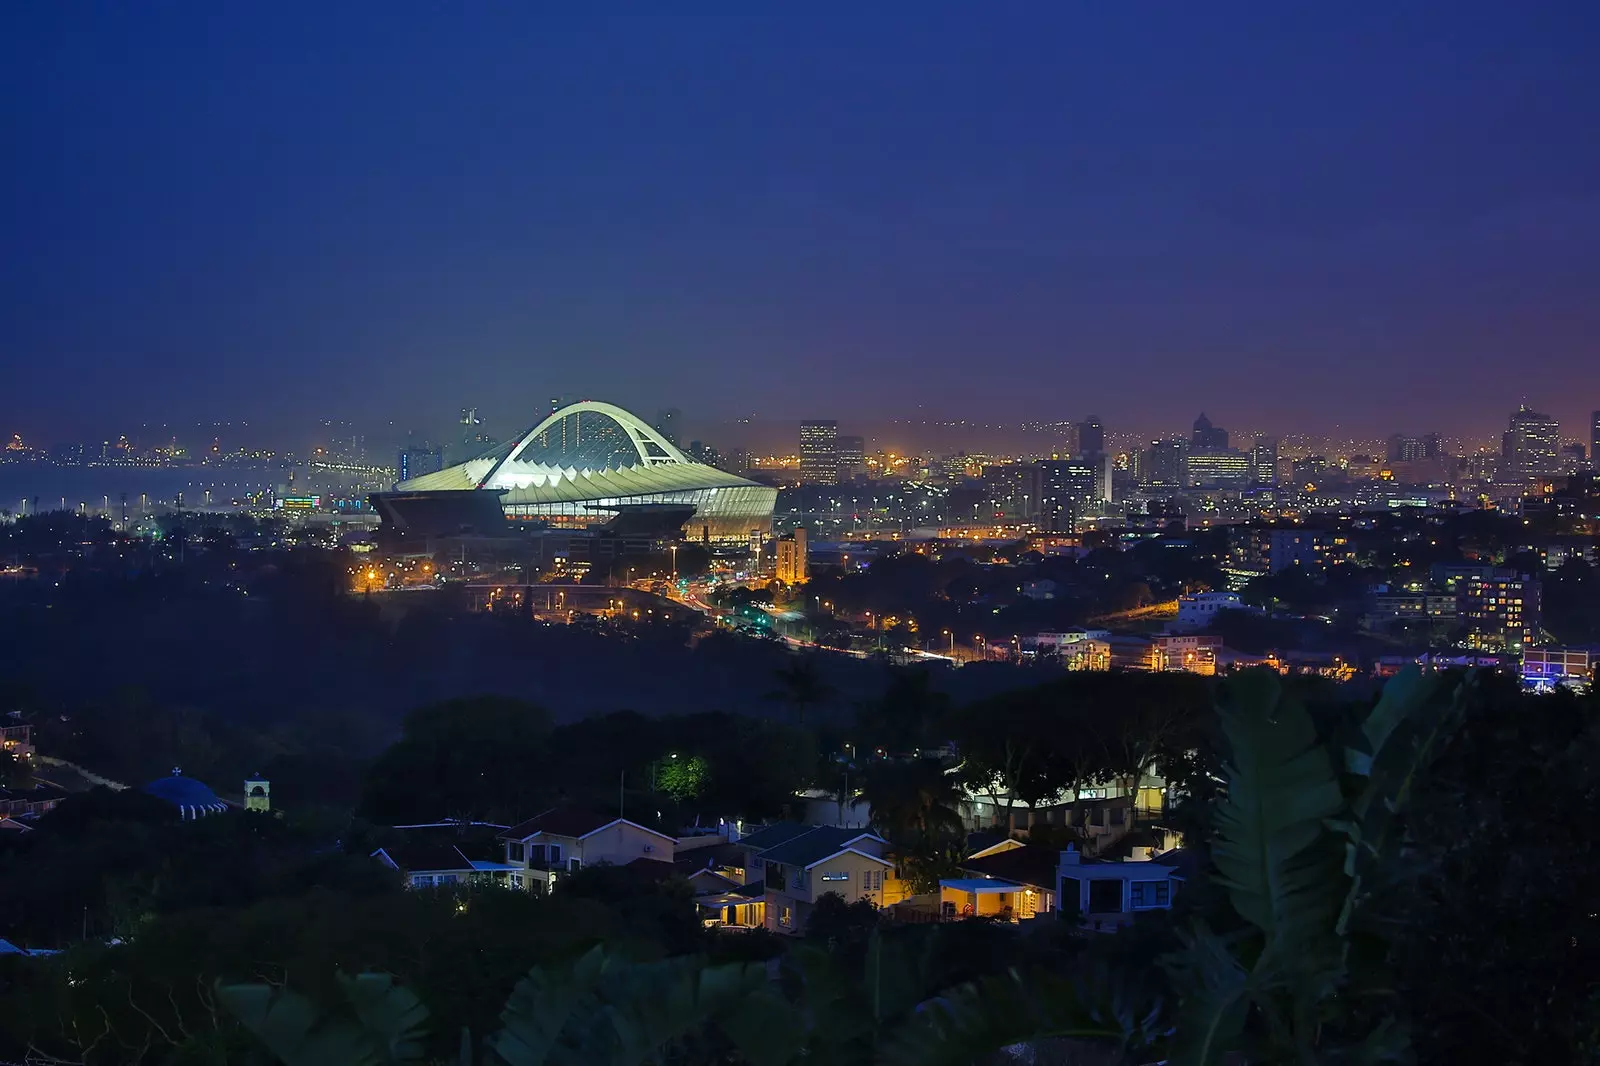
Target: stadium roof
{"x": 585, "y": 451}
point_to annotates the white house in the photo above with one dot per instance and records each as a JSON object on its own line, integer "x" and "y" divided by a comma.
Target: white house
{"x": 1108, "y": 893}
{"x": 564, "y": 840}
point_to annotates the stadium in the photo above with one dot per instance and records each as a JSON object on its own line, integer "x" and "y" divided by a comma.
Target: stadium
{"x": 582, "y": 465}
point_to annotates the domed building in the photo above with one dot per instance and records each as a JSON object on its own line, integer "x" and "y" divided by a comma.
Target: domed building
{"x": 194, "y": 799}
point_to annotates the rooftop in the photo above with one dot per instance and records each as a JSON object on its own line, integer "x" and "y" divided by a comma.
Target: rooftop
{"x": 772, "y": 835}
{"x": 1031, "y": 864}
{"x": 816, "y": 845}
{"x": 561, "y": 822}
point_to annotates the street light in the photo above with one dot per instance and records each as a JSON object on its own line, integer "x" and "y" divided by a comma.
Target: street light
{"x": 952, "y": 637}
{"x": 674, "y": 562}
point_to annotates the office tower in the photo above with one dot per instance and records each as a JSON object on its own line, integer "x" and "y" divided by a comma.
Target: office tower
{"x": 1013, "y": 490}
{"x": 1067, "y": 488}
{"x": 1594, "y": 440}
{"x": 819, "y": 452}
{"x": 702, "y": 452}
{"x": 1573, "y": 458}
{"x": 1531, "y": 446}
{"x": 1404, "y": 449}
{"x": 1219, "y": 468}
{"x": 1091, "y": 438}
{"x": 1207, "y": 436}
{"x": 669, "y": 423}
{"x": 1165, "y": 465}
{"x": 1264, "y": 460}
{"x": 738, "y": 461}
{"x": 415, "y": 462}
{"x": 852, "y": 457}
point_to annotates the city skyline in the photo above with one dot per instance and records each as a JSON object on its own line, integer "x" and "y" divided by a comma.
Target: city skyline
{"x": 776, "y": 435}
{"x": 1024, "y": 215}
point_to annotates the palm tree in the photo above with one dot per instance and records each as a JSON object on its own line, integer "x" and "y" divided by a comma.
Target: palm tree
{"x": 917, "y": 805}
{"x": 800, "y": 685}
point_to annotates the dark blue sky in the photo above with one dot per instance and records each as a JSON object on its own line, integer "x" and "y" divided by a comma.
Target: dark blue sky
{"x": 1385, "y": 215}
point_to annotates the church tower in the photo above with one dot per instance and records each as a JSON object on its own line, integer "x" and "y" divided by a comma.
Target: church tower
{"x": 257, "y": 794}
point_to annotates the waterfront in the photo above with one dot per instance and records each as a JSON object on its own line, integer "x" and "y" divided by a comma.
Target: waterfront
{"x": 30, "y": 487}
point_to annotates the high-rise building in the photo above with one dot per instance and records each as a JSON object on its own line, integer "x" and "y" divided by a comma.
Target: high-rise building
{"x": 702, "y": 452}
{"x": 1264, "y": 460}
{"x": 415, "y": 462}
{"x": 1165, "y": 465}
{"x": 1531, "y": 447}
{"x": 1499, "y": 609}
{"x": 792, "y": 557}
{"x": 819, "y": 452}
{"x": 1219, "y": 468}
{"x": 1573, "y": 458}
{"x": 669, "y": 423}
{"x": 1091, "y": 438}
{"x": 1594, "y": 440}
{"x": 1404, "y": 449}
{"x": 1013, "y": 490}
{"x": 1067, "y": 488}
{"x": 852, "y": 456}
{"x": 1209, "y": 437}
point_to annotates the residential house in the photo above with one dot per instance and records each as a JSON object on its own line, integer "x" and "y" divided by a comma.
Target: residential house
{"x": 1103, "y": 811}
{"x": 1008, "y": 880}
{"x": 1108, "y": 893}
{"x": 716, "y": 874}
{"x": 29, "y": 803}
{"x": 440, "y": 862}
{"x": 823, "y": 859}
{"x": 752, "y": 845}
{"x": 564, "y": 840}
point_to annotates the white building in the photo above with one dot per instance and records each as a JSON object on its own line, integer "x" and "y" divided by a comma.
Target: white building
{"x": 564, "y": 841}
{"x": 1108, "y": 894}
{"x": 1199, "y": 609}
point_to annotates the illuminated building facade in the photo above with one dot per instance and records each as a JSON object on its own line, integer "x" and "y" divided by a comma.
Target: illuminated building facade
{"x": 792, "y": 558}
{"x": 1264, "y": 461}
{"x": 1219, "y": 468}
{"x": 1403, "y": 449}
{"x": 1067, "y": 487}
{"x": 583, "y": 463}
{"x": 1165, "y": 465}
{"x": 1267, "y": 549}
{"x": 1531, "y": 447}
{"x": 819, "y": 452}
{"x": 1499, "y": 609}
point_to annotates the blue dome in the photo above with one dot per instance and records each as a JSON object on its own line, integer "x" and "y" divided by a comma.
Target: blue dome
{"x": 192, "y": 798}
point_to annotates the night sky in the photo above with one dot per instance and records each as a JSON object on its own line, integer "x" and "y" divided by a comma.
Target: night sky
{"x": 1385, "y": 215}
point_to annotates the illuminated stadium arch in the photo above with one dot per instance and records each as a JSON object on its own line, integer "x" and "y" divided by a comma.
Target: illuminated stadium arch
{"x": 560, "y": 441}
{"x": 590, "y": 458}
